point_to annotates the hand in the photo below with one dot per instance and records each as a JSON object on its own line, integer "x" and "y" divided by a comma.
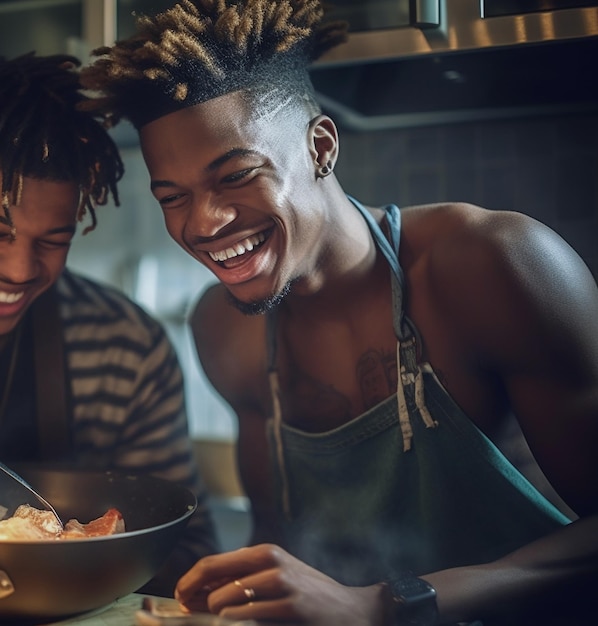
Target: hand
{"x": 264, "y": 582}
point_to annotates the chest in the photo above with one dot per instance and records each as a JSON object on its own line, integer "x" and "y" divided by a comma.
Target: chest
{"x": 335, "y": 373}
{"x": 332, "y": 373}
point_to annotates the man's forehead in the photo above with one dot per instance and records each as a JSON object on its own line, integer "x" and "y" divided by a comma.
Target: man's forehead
{"x": 227, "y": 121}
{"x": 222, "y": 111}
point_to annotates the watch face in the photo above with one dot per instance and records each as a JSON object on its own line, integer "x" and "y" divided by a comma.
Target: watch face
{"x": 416, "y": 602}
{"x": 415, "y": 590}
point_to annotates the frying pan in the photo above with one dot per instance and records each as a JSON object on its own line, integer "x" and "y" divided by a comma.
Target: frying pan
{"x": 59, "y": 578}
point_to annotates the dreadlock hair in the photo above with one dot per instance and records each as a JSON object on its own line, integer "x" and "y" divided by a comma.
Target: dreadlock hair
{"x": 44, "y": 136}
{"x": 198, "y": 50}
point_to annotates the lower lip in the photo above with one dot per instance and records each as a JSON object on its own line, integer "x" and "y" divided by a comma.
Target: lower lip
{"x": 11, "y": 309}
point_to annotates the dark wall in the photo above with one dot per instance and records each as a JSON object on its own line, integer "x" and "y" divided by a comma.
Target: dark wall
{"x": 546, "y": 167}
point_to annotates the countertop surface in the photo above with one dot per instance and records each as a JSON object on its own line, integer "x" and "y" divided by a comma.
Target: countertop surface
{"x": 123, "y": 612}
{"x": 119, "y": 613}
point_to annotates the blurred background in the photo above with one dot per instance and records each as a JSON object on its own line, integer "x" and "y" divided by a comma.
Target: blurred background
{"x": 492, "y": 102}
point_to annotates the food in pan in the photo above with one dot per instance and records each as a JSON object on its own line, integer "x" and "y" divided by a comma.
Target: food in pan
{"x": 111, "y": 523}
{"x": 30, "y": 524}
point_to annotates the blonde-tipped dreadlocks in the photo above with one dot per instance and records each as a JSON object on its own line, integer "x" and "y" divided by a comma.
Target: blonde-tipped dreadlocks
{"x": 199, "y": 50}
{"x": 44, "y": 136}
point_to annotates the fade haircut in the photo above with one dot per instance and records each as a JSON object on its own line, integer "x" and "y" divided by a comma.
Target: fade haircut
{"x": 44, "y": 136}
{"x": 197, "y": 51}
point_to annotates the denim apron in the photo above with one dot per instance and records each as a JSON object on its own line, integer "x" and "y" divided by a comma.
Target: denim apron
{"x": 410, "y": 485}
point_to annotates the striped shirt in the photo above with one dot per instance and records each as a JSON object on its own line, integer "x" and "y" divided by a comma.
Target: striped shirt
{"x": 127, "y": 400}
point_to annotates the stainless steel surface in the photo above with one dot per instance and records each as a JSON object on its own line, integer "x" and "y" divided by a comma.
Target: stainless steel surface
{"x": 15, "y": 490}
{"x": 461, "y": 27}
{"x": 469, "y": 68}
{"x": 427, "y": 13}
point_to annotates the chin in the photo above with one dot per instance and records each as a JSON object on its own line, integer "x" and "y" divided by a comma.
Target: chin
{"x": 262, "y": 306}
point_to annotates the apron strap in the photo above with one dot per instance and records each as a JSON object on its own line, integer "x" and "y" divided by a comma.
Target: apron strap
{"x": 53, "y": 415}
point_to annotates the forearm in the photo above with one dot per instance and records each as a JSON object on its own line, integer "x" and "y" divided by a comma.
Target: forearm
{"x": 552, "y": 575}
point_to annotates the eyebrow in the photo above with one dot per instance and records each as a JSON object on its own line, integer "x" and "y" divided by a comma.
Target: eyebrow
{"x": 211, "y": 167}
{"x": 231, "y": 154}
{"x": 61, "y": 229}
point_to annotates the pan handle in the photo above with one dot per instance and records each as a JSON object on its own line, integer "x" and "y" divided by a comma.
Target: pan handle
{"x": 6, "y": 586}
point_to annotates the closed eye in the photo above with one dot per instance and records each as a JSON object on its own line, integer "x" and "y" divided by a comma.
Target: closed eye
{"x": 48, "y": 243}
{"x": 238, "y": 176}
{"x": 166, "y": 200}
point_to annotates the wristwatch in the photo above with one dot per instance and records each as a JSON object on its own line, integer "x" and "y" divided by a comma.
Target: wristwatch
{"x": 415, "y": 601}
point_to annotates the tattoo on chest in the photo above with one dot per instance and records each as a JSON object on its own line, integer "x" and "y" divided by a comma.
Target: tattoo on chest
{"x": 309, "y": 403}
{"x": 377, "y": 376}
{"x": 322, "y": 403}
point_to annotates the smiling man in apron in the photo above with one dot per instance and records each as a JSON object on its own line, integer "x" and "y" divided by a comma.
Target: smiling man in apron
{"x": 375, "y": 357}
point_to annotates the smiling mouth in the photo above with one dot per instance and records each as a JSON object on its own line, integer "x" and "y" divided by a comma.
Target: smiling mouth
{"x": 10, "y": 298}
{"x": 238, "y": 249}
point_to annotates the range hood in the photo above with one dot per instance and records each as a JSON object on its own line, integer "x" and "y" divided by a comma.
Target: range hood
{"x": 468, "y": 62}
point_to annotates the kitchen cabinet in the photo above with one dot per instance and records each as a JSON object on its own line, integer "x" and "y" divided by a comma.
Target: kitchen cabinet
{"x": 68, "y": 26}
{"x": 127, "y": 9}
{"x": 46, "y": 26}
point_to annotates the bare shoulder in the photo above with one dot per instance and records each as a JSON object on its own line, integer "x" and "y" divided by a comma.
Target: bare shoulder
{"x": 230, "y": 346}
{"x": 452, "y": 224}
{"x": 466, "y": 247}
{"x": 510, "y": 288}
{"x": 519, "y": 307}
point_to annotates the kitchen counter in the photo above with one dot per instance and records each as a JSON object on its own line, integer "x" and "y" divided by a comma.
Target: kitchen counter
{"x": 122, "y": 613}
{"x": 119, "y": 613}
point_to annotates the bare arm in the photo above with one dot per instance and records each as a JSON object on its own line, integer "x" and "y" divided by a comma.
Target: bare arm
{"x": 549, "y": 581}
{"x": 231, "y": 349}
{"x": 533, "y": 321}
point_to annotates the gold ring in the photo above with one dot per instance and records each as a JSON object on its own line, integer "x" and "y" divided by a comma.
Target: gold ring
{"x": 248, "y": 591}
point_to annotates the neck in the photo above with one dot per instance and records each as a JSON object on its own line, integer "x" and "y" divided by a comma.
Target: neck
{"x": 352, "y": 265}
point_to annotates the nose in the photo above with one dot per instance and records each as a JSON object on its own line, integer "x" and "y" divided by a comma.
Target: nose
{"x": 206, "y": 218}
{"x": 19, "y": 264}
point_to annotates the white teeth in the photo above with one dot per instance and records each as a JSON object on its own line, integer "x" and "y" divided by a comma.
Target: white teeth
{"x": 241, "y": 247}
{"x": 10, "y": 298}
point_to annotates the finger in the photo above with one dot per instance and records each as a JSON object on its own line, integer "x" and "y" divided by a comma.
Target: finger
{"x": 212, "y": 570}
{"x": 199, "y": 600}
{"x": 259, "y": 587}
{"x": 279, "y": 610}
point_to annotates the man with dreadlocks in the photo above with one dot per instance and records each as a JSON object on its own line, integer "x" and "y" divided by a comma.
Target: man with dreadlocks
{"x": 392, "y": 349}
{"x": 88, "y": 379}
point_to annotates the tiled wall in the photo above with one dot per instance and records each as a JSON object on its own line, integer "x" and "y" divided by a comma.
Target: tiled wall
{"x": 546, "y": 167}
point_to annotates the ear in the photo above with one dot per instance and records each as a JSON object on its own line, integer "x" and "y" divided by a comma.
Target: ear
{"x": 323, "y": 141}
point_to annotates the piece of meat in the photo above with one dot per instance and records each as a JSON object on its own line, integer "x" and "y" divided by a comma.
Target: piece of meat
{"x": 44, "y": 520}
{"x": 111, "y": 523}
{"x": 23, "y": 529}
{"x": 31, "y": 524}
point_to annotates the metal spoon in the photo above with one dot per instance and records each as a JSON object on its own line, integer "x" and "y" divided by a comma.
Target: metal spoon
{"x": 15, "y": 490}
